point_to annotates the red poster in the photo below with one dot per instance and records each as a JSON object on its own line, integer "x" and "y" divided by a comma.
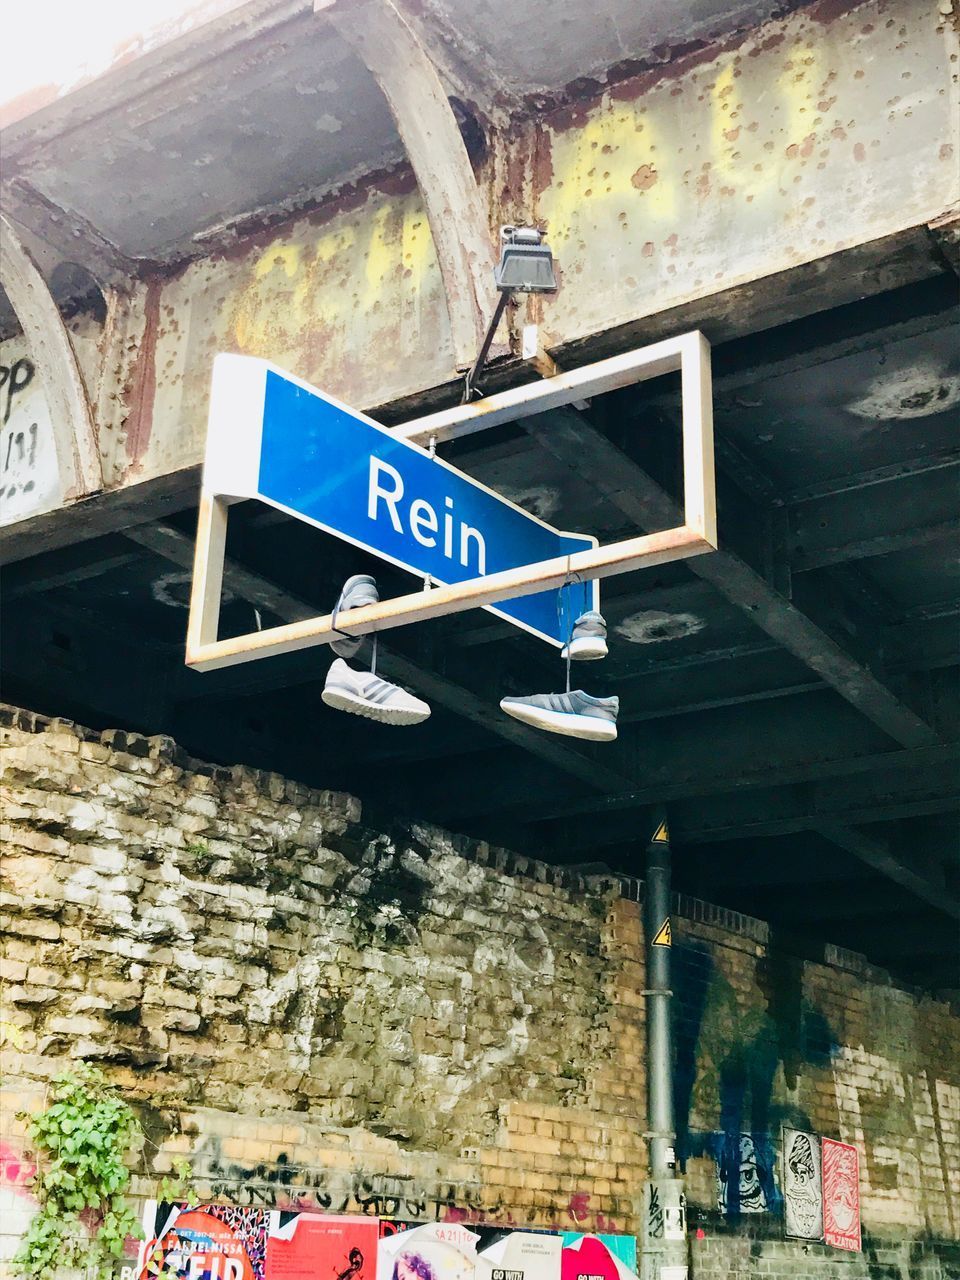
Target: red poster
{"x": 841, "y": 1195}
{"x": 205, "y": 1242}
{"x": 309, "y": 1246}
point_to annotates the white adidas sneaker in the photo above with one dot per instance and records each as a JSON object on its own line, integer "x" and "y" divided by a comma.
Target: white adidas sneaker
{"x": 361, "y": 693}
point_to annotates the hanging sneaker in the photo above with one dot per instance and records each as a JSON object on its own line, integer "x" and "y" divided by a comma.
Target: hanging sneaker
{"x": 360, "y": 589}
{"x": 576, "y": 714}
{"x": 589, "y": 639}
{"x": 364, "y": 694}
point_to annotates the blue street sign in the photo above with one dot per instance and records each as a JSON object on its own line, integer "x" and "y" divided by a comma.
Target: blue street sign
{"x": 337, "y": 469}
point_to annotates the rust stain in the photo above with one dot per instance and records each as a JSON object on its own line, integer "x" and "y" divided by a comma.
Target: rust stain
{"x": 859, "y": 152}
{"x": 946, "y": 151}
{"x": 26, "y": 103}
{"x": 771, "y": 42}
{"x": 645, "y": 177}
{"x": 647, "y": 250}
{"x": 542, "y": 159}
{"x": 827, "y": 11}
{"x": 140, "y": 396}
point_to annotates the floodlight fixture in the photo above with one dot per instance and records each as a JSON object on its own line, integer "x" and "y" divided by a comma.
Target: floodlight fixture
{"x": 526, "y": 263}
{"x": 525, "y": 266}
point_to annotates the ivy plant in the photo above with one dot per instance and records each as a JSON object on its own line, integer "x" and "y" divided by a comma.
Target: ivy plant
{"x": 81, "y": 1141}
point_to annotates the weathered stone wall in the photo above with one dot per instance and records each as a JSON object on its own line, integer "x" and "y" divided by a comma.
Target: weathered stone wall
{"x": 410, "y": 1023}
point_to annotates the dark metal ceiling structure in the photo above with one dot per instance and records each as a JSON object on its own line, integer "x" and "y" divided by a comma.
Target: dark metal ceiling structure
{"x": 791, "y": 699}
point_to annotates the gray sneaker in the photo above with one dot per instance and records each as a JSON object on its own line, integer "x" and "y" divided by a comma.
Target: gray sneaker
{"x": 589, "y": 639}
{"x": 576, "y": 714}
{"x": 360, "y": 589}
{"x": 364, "y": 694}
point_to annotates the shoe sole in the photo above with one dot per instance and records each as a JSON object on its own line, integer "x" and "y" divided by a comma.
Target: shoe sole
{"x": 587, "y": 649}
{"x": 589, "y": 727}
{"x": 346, "y": 700}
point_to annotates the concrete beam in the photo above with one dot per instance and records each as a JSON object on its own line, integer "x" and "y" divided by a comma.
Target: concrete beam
{"x": 391, "y": 50}
{"x": 672, "y": 201}
{"x": 569, "y": 437}
{"x": 880, "y": 856}
{"x": 74, "y": 432}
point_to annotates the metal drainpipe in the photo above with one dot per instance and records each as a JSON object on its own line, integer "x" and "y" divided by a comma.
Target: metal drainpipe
{"x": 664, "y": 1255}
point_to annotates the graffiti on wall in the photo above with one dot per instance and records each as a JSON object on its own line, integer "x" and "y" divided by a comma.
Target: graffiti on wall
{"x": 29, "y": 476}
{"x": 286, "y": 1184}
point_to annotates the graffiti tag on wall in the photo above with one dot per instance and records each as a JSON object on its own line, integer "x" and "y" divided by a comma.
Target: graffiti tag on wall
{"x": 29, "y": 476}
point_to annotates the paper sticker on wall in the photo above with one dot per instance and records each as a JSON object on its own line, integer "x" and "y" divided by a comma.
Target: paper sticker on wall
{"x": 745, "y": 1178}
{"x": 802, "y": 1189}
{"x": 521, "y": 1255}
{"x": 310, "y": 1246}
{"x": 841, "y": 1195}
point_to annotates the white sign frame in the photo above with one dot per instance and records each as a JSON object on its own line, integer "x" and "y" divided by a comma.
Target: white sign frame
{"x": 689, "y": 353}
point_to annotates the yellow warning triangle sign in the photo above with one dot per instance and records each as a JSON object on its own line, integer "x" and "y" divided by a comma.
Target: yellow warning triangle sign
{"x": 661, "y": 835}
{"x": 663, "y": 937}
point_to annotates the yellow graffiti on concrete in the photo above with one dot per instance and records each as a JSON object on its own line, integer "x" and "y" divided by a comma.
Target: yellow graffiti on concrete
{"x": 305, "y": 288}
{"x": 612, "y": 159}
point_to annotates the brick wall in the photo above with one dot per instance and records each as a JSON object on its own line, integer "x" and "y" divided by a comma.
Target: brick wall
{"x": 411, "y": 1023}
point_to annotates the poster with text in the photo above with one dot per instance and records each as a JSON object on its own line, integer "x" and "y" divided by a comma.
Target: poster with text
{"x": 435, "y": 1251}
{"x": 841, "y": 1195}
{"x": 589, "y": 1258}
{"x": 521, "y": 1255}
{"x": 802, "y": 1187}
{"x": 311, "y": 1246}
{"x": 208, "y": 1242}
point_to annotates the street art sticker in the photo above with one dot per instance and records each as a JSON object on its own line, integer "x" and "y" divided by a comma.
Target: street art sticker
{"x": 435, "y": 1251}
{"x": 215, "y": 1242}
{"x": 745, "y": 1181}
{"x": 802, "y": 1187}
{"x": 841, "y": 1195}
{"x": 29, "y": 475}
{"x": 310, "y": 1246}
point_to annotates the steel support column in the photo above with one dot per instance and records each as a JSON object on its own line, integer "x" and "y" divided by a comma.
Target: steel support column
{"x": 664, "y": 1224}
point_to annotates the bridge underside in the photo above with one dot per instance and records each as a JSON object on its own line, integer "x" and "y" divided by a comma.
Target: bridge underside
{"x": 792, "y": 698}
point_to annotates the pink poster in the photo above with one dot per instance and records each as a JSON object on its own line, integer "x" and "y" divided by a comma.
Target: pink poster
{"x": 841, "y": 1195}
{"x": 309, "y": 1246}
{"x": 588, "y": 1258}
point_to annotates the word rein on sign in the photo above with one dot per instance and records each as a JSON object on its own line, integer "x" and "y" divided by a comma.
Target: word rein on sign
{"x": 274, "y": 438}
{"x": 352, "y": 478}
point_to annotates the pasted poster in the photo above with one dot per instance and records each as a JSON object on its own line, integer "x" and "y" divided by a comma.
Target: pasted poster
{"x": 435, "y": 1251}
{"x": 622, "y": 1247}
{"x": 520, "y": 1255}
{"x": 802, "y": 1187}
{"x": 589, "y": 1258}
{"x": 745, "y": 1177}
{"x": 211, "y": 1242}
{"x": 311, "y": 1246}
{"x": 841, "y": 1195}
